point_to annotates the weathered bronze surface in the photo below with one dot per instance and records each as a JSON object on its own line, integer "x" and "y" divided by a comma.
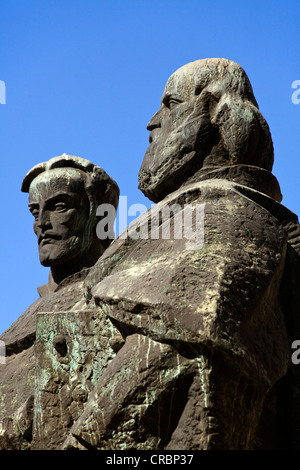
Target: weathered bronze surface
{"x": 166, "y": 341}
{"x": 64, "y": 194}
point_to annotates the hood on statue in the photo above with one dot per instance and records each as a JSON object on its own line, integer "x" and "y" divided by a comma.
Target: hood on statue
{"x": 208, "y": 120}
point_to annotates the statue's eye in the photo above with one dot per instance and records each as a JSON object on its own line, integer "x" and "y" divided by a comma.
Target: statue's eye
{"x": 35, "y": 213}
{"x": 61, "y": 206}
{"x": 34, "y": 209}
{"x": 172, "y": 103}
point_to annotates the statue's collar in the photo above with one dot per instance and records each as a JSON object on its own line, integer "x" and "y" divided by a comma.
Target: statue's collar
{"x": 247, "y": 175}
{"x": 51, "y": 287}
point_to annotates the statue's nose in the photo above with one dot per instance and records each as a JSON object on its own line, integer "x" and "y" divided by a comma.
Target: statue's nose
{"x": 43, "y": 220}
{"x": 155, "y": 121}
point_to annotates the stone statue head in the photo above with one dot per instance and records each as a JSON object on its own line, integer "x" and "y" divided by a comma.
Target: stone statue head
{"x": 208, "y": 118}
{"x": 64, "y": 194}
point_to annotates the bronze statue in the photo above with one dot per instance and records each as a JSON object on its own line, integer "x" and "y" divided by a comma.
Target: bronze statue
{"x": 208, "y": 119}
{"x": 64, "y": 194}
{"x": 207, "y": 329}
{"x": 180, "y": 342}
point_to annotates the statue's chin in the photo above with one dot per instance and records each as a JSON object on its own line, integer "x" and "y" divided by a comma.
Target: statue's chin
{"x": 52, "y": 260}
{"x": 173, "y": 172}
{"x": 60, "y": 252}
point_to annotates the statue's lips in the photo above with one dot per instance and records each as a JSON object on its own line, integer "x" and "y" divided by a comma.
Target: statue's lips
{"x": 152, "y": 134}
{"x": 47, "y": 239}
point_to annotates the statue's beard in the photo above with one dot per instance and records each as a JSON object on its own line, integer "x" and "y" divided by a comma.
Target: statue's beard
{"x": 170, "y": 161}
{"x": 65, "y": 251}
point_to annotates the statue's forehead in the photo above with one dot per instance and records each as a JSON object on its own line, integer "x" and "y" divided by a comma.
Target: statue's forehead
{"x": 54, "y": 181}
{"x": 196, "y": 75}
{"x": 184, "y": 81}
{"x": 180, "y": 84}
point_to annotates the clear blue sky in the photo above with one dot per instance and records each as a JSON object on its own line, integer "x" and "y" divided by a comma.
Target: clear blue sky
{"x": 84, "y": 77}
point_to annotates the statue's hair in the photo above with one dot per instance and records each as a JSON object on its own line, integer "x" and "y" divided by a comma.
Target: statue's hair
{"x": 243, "y": 130}
{"x": 99, "y": 186}
{"x": 105, "y": 189}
